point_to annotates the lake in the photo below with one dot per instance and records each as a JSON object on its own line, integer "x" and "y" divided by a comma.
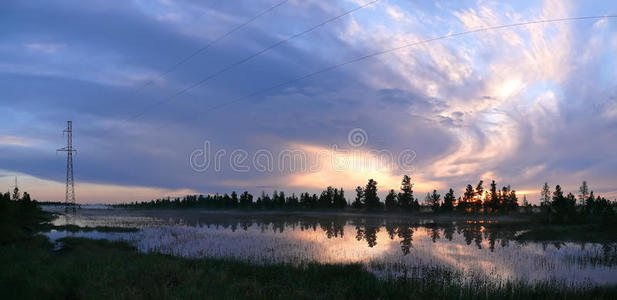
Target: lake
{"x": 388, "y": 247}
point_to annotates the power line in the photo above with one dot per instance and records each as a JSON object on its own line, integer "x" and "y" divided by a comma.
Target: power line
{"x": 211, "y": 43}
{"x": 382, "y": 52}
{"x": 248, "y": 58}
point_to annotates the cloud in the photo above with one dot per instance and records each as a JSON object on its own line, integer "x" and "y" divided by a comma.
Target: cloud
{"x": 9, "y": 140}
{"x": 46, "y": 48}
{"x": 522, "y": 105}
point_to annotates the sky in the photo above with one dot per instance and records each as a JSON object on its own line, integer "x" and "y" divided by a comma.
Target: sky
{"x": 175, "y": 97}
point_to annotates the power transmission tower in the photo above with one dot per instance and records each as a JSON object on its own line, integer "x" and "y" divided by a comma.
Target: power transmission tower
{"x": 15, "y": 190}
{"x": 69, "y": 198}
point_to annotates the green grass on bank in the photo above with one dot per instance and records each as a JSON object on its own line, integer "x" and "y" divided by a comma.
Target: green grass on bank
{"x": 96, "y": 269}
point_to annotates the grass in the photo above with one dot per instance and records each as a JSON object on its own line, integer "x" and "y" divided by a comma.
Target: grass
{"x": 98, "y": 269}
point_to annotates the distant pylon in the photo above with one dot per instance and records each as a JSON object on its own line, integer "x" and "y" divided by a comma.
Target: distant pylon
{"x": 69, "y": 197}
{"x": 16, "y": 187}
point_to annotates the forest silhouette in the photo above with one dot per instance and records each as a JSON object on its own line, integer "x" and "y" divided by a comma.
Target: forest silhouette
{"x": 555, "y": 207}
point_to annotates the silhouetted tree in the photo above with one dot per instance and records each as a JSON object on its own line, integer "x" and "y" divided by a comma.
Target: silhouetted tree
{"x": 339, "y": 199}
{"x": 465, "y": 202}
{"x": 26, "y": 197}
{"x": 526, "y": 204}
{"x": 326, "y": 199}
{"x": 265, "y": 200}
{"x": 405, "y": 197}
{"x": 246, "y": 199}
{"x": 435, "y": 198}
{"x": 292, "y": 201}
{"x": 428, "y": 201}
{"x": 545, "y": 197}
{"x": 583, "y": 192}
{"x": 509, "y": 199}
{"x": 477, "y": 197}
{"x": 563, "y": 207}
{"x": 448, "y": 201}
{"x": 493, "y": 200}
{"x": 371, "y": 200}
{"x": 359, "y": 201}
{"x": 391, "y": 203}
{"x": 234, "y": 199}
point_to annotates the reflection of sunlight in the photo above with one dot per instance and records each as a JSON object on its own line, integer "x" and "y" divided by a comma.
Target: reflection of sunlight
{"x": 386, "y": 249}
{"x": 346, "y": 249}
{"x": 465, "y": 257}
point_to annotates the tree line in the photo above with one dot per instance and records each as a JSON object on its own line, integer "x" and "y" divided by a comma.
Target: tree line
{"x": 18, "y": 214}
{"x": 475, "y": 199}
{"x": 560, "y": 208}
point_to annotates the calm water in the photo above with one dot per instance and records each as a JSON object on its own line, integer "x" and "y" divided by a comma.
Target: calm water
{"x": 386, "y": 247}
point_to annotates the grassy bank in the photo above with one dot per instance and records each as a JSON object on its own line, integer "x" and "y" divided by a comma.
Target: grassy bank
{"x": 96, "y": 269}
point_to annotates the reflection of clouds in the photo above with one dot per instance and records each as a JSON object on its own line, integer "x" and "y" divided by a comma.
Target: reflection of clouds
{"x": 513, "y": 262}
{"x": 384, "y": 248}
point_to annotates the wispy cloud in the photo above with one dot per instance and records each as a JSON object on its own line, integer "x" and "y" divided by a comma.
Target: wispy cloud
{"x": 10, "y": 140}
{"x": 523, "y": 105}
{"x": 45, "y": 47}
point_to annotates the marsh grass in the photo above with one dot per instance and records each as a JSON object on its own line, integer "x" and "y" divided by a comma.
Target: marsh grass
{"x": 99, "y": 269}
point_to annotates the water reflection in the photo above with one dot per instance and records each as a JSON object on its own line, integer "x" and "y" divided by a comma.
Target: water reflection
{"x": 388, "y": 247}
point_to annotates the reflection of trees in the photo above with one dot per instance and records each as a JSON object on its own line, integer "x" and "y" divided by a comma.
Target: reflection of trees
{"x": 434, "y": 234}
{"x": 471, "y": 233}
{"x": 366, "y": 230}
{"x": 402, "y": 231}
{"x": 390, "y": 229}
{"x": 370, "y": 235}
{"x": 448, "y": 231}
{"x": 406, "y": 235}
{"x": 333, "y": 228}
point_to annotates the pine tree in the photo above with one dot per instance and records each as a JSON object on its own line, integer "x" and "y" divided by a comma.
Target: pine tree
{"x": 477, "y": 198}
{"x": 359, "y": 201}
{"x": 391, "y": 201}
{"x": 371, "y": 200}
{"x": 583, "y": 192}
{"x": 428, "y": 201}
{"x": 339, "y": 198}
{"x": 405, "y": 197}
{"x": 326, "y": 199}
{"x": 246, "y": 199}
{"x": 448, "y": 201}
{"x": 545, "y": 197}
{"x": 467, "y": 198}
{"x": 435, "y": 198}
{"x": 493, "y": 200}
{"x": 234, "y": 199}
{"x": 26, "y": 197}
